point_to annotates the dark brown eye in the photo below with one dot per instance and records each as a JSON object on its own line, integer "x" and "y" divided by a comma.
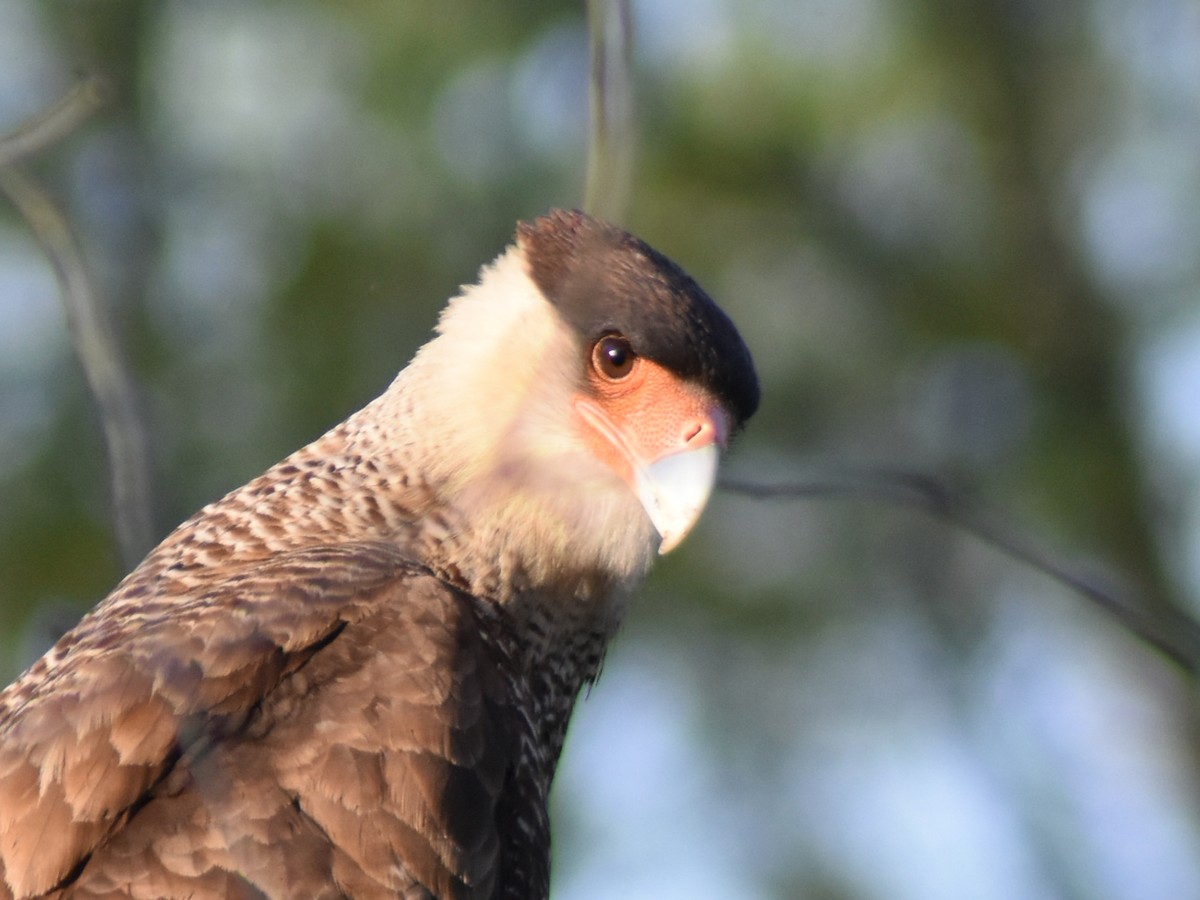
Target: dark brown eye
{"x": 613, "y": 357}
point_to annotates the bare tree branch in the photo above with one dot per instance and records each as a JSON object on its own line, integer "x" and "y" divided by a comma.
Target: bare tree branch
{"x": 95, "y": 344}
{"x": 1171, "y": 631}
{"x": 55, "y": 123}
{"x": 612, "y": 133}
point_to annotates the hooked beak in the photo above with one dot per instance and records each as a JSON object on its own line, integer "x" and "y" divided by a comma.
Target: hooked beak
{"x": 672, "y": 470}
{"x": 674, "y": 491}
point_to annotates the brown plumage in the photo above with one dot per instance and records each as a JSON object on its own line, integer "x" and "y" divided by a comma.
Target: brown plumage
{"x": 352, "y": 676}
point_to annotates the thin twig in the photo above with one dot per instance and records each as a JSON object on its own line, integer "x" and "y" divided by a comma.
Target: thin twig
{"x": 611, "y": 135}
{"x": 1173, "y": 632}
{"x": 67, "y": 114}
{"x": 87, "y": 319}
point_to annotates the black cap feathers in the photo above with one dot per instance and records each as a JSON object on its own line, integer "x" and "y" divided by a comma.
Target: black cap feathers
{"x": 603, "y": 279}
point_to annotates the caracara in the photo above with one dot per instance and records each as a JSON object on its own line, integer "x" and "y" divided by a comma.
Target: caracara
{"x": 351, "y": 677}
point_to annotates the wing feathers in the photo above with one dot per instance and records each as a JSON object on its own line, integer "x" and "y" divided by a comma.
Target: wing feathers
{"x": 330, "y": 722}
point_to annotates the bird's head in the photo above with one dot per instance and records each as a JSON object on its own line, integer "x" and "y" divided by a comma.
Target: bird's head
{"x": 576, "y": 400}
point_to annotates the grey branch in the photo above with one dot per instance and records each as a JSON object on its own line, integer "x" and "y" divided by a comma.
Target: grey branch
{"x": 611, "y": 135}
{"x": 87, "y": 319}
{"x": 55, "y": 123}
{"x": 1170, "y": 630}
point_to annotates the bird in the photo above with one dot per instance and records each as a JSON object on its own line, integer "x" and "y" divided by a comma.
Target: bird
{"x": 352, "y": 676}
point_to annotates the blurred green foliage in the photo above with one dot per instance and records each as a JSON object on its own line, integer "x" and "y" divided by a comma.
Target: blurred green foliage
{"x": 952, "y": 232}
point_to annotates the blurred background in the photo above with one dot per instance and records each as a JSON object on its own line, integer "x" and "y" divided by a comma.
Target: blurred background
{"x": 961, "y": 237}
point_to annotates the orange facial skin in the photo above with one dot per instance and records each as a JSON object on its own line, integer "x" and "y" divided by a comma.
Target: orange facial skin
{"x": 634, "y": 411}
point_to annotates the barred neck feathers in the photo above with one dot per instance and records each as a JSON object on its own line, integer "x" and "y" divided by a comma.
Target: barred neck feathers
{"x": 469, "y": 461}
{"x": 485, "y": 407}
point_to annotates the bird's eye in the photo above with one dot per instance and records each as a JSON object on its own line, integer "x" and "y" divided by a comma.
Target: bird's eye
{"x": 613, "y": 357}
